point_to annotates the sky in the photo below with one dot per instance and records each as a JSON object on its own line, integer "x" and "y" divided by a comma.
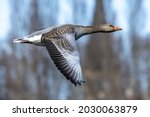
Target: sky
{"x": 147, "y": 6}
{"x": 119, "y": 6}
{"x": 4, "y": 18}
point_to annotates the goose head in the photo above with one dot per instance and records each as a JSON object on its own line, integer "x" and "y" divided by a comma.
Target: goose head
{"x": 109, "y": 28}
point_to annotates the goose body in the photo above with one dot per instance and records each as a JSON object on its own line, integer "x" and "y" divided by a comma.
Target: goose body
{"x": 61, "y": 45}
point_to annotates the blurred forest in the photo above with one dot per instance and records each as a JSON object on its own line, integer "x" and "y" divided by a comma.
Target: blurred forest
{"x": 27, "y": 72}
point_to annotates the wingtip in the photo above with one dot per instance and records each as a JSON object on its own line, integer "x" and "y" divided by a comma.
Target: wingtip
{"x": 79, "y": 83}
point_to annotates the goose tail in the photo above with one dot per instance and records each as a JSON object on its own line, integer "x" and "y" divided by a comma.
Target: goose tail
{"x": 21, "y": 40}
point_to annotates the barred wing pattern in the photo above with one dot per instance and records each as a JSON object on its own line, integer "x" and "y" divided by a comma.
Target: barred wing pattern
{"x": 65, "y": 55}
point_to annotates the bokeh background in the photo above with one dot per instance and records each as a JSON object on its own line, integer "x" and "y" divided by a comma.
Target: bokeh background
{"x": 115, "y": 66}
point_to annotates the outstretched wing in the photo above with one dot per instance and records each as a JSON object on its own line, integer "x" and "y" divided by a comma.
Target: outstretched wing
{"x": 64, "y": 53}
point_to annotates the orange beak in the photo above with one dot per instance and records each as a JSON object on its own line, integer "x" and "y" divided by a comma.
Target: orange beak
{"x": 117, "y": 28}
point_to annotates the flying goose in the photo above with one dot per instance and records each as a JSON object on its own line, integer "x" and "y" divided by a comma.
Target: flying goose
{"x": 61, "y": 45}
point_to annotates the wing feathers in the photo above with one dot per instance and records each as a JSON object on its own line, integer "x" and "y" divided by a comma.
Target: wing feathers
{"x": 66, "y": 58}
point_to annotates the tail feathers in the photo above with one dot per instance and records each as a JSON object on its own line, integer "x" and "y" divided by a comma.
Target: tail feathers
{"x": 21, "y": 40}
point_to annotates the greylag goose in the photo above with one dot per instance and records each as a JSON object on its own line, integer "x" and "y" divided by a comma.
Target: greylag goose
{"x": 61, "y": 45}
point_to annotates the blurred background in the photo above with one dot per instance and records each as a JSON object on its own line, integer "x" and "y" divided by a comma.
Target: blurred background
{"x": 115, "y": 66}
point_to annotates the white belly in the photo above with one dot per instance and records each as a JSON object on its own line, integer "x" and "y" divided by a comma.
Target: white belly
{"x": 36, "y": 40}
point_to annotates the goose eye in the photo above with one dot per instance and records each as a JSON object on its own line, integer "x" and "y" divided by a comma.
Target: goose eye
{"x": 111, "y": 26}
